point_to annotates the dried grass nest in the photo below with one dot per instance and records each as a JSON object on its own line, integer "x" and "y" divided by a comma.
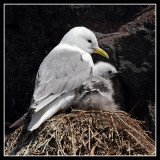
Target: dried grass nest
{"x": 83, "y": 133}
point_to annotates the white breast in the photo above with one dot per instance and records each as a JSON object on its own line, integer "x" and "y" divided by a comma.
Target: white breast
{"x": 87, "y": 57}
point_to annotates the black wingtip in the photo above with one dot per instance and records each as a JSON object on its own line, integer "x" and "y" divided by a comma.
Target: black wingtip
{"x": 19, "y": 121}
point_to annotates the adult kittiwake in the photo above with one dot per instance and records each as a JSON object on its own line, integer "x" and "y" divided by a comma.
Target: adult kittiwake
{"x": 97, "y": 92}
{"x": 62, "y": 71}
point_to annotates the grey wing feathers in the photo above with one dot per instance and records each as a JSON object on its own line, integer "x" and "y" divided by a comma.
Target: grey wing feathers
{"x": 59, "y": 73}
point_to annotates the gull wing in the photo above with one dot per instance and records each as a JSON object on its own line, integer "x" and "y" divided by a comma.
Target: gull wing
{"x": 61, "y": 71}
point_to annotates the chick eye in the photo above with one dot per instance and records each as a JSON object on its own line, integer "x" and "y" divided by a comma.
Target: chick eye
{"x": 109, "y": 72}
{"x": 89, "y": 41}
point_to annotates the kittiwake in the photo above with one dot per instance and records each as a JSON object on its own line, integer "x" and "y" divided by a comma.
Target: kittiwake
{"x": 62, "y": 71}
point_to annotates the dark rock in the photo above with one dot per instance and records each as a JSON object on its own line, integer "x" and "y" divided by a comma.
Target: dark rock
{"x": 118, "y": 95}
{"x": 133, "y": 52}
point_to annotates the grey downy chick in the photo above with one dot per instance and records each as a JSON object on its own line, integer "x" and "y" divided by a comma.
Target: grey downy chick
{"x": 97, "y": 93}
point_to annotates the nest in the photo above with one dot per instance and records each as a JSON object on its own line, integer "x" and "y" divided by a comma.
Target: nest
{"x": 83, "y": 133}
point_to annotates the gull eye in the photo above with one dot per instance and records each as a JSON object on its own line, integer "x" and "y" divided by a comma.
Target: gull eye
{"x": 109, "y": 72}
{"x": 89, "y": 41}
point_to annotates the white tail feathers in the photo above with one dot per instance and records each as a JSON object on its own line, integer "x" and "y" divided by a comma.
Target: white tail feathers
{"x": 48, "y": 111}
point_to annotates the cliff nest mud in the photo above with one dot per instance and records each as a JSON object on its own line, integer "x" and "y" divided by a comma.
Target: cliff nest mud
{"x": 83, "y": 133}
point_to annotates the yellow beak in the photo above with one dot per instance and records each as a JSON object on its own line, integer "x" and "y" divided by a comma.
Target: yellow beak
{"x": 101, "y": 52}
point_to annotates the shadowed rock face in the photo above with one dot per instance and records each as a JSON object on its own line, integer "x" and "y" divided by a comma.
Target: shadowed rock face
{"x": 127, "y": 33}
{"x": 133, "y": 48}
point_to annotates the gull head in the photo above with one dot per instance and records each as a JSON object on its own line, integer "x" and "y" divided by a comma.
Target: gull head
{"x": 84, "y": 39}
{"x": 104, "y": 70}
